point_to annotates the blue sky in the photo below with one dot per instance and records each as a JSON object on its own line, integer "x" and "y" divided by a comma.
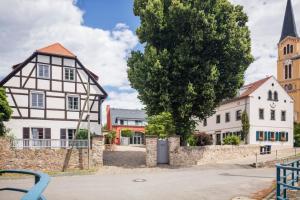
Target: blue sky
{"x": 105, "y": 14}
{"x": 101, "y": 33}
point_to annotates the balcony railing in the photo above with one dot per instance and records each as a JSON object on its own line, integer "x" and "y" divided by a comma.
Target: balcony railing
{"x": 48, "y": 143}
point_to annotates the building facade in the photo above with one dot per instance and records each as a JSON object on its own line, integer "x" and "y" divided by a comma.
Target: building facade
{"x": 47, "y": 93}
{"x": 124, "y": 119}
{"x": 269, "y": 109}
{"x": 288, "y": 64}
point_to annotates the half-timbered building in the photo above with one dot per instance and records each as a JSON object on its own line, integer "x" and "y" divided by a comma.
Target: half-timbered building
{"x": 47, "y": 93}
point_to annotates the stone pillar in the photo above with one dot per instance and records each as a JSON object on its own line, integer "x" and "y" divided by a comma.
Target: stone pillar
{"x": 97, "y": 150}
{"x": 174, "y": 145}
{"x": 151, "y": 151}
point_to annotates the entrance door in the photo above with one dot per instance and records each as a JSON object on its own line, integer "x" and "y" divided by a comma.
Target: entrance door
{"x": 137, "y": 138}
{"x": 218, "y": 141}
{"x": 162, "y": 151}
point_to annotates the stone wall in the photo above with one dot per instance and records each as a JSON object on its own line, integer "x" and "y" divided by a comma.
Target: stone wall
{"x": 183, "y": 155}
{"x": 151, "y": 151}
{"x": 49, "y": 159}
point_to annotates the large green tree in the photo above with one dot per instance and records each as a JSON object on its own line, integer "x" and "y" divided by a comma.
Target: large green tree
{"x": 195, "y": 56}
{"x": 5, "y": 111}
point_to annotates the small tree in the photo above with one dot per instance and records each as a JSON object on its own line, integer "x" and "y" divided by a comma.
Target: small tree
{"x": 297, "y": 135}
{"x": 245, "y": 125}
{"x": 126, "y": 133}
{"x": 232, "y": 140}
{"x": 161, "y": 125}
{"x": 5, "y": 111}
{"x": 110, "y": 137}
{"x": 82, "y": 134}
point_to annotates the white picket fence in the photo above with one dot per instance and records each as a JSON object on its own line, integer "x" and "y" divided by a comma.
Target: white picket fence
{"x": 48, "y": 143}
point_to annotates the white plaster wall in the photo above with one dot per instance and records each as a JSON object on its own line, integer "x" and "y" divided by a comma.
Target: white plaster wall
{"x": 56, "y": 72}
{"x": 16, "y": 126}
{"x": 43, "y": 84}
{"x": 69, "y": 62}
{"x": 69, "y": 87}
{"x": 27, "y": 69}
{"x": 56, "y": 85}
{"x": 232, "y": 107}
{"x": 284, "y": 103}
{"x": 43, "y": 59}
{"x": 58, "y": 103}
{"x": 56, "y": 60}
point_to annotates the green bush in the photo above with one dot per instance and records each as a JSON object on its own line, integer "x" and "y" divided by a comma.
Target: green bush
{"x": 161, "y": 125}
{"x": 126, "y": 133}
{"x": 192, "y": 140}
{"x": 297, "y": 135}
{"x": 203, "y": 139}
{"x": 5, "y": 111}
{"x": 232, "y": 140}
{"x": 82, "y": 134}
{"x": 110, "y": 137}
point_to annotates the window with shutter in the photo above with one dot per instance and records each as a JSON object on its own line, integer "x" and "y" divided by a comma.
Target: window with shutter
{"x": 47, "y": 133}
{"x": 26, "y": 133}
{"x": 63, "y": 133}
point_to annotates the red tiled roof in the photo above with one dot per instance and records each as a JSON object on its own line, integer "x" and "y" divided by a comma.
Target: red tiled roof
{"x": 253, "y": 86}
{"x": 56, "y": 49}
{"x": 249, "y": 89}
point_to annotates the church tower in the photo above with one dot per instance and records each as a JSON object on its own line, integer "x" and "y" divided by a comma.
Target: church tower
{"x": 288, "y": 64}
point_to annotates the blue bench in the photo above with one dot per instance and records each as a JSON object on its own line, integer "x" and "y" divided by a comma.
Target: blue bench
{"x": 34, "y": 193}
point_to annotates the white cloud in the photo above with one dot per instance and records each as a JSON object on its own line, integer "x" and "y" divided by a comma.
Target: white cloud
{"x": 29, "y": 25}
{"x": 265, "y": 23}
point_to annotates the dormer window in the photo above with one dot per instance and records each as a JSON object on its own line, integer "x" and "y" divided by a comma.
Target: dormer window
{"x": 43, "y": 71}
{"x": 270, "y": 95}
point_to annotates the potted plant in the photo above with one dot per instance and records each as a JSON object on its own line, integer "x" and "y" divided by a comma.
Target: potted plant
{"x": 110, "y": 140}
{"x": 125, "y": 136}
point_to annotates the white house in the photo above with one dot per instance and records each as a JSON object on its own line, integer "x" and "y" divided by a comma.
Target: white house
{"x": 47, "y": 93}
{"x": 270, "y": 112}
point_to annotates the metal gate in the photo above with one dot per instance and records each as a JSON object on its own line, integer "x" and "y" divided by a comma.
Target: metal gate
{"x": 162, "y": 151}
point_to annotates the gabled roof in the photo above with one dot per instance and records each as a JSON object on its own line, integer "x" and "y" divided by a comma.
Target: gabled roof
{"x": 250, "y": 88}
{"x": 56, "y": 49}
{"x": 289, "y": 25}
{"x": 247, "y": 90}
{"x": 133, "y": 114}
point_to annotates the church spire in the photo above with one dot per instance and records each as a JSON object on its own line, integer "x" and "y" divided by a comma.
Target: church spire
{"x": 289, "y": 25}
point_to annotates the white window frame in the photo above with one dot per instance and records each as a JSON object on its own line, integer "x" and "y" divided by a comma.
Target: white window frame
{"x": 73, "y": 96}
{"x": 43, "y": 75}
{"x": 31, "y": 101}
{"x": 69, "y": 69}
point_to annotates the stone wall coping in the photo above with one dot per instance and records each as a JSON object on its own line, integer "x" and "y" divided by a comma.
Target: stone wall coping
{"x": 151, "y": 136}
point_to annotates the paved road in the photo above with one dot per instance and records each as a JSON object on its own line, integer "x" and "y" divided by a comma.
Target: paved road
{"x": 199, "y": 183}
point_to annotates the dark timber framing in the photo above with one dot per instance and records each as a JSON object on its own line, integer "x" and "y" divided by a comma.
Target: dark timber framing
{"x": 23, "y": 88}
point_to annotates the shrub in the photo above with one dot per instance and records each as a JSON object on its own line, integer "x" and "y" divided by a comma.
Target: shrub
{"x": 232, "y": 140}
{"x": 82, "y": 134}
{"x": 161, "y": 125}
{"x": 192, "y": 140}
{"x": 126, "y": 133}
{"x": 110, "y": 137}
{"x": 297, "y": 135}
{"x": 5, "y": 111}
{"x": 203, "y": 139}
